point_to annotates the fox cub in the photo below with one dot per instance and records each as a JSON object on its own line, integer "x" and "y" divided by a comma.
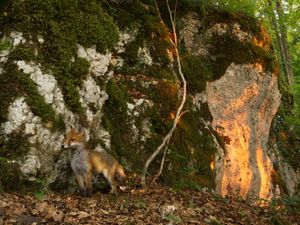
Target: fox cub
{"x": 86, "y": 163}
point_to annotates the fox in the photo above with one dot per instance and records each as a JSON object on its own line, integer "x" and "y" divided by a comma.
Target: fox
{"x": 87, "y": 163}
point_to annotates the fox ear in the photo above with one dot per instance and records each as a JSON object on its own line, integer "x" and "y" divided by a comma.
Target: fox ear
{"x": 81, "y": 130}
{"x": 68, "y": 126}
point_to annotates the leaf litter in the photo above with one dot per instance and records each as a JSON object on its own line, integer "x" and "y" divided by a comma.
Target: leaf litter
{"x": 155, "y": 204}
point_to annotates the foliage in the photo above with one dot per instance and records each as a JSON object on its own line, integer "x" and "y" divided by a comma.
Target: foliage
{"x": 286, "y": 125}
{"x": 245, "y": 6}
{"x": 288, "y": 20}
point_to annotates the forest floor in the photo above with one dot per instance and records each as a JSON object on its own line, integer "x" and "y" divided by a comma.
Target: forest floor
{"x": 154, "y": 205}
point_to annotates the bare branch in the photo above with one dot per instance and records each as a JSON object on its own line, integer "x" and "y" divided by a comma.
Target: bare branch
{"x": 169, "y": 135}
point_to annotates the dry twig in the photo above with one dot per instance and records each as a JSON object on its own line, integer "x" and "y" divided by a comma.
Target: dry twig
{"x": 167, "y": 138}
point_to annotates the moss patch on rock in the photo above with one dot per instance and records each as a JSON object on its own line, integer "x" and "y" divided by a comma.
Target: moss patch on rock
{"x": 17, "y": 83}
{"x": 10, "y": 176}
{"x": 214, "y": 15}
{"x": 115, "y": 118}
{"x": 152, "y": 33}
{"x": 191, "y": 151}
{"x": 4, "y": 45}
{"x": 16, "y": 146}
{"x": 197, "y": 73}
{"x": 229, "y": 50}
{"x": 11, "y": 151}
{"x": 62, "y": 24}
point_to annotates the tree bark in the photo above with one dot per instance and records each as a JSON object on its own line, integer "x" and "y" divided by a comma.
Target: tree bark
{"x": 284, "y": 40}
{"x": 279, "y": 27}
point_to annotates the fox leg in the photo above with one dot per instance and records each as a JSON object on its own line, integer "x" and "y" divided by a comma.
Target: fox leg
{"x": 109, "y": 175}
{"x": 80, "y": 183}
{"x": 113, "y": 183}
{"x": 88, "y": 183}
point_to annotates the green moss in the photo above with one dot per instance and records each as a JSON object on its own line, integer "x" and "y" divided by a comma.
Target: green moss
{"x": 10, "y": 176}
{"x": 12, "y": 149}
{"x": 17, "y": 83}
{"x": 16, "y": 145}
{"x": 22, "y": 52}
{"x": 129, "y": 13}
{"x": 267, "y": 56}
{"x": 228, "y": 50}
{"x": 192, "y": 150}
{"x": 13, "y": 89}
{"x": 197, "y": 73}
{"x": 158, "y": 51}
{"x": 79, "y": 70}
{"x": 115, "y": 118}
{"x": 165, "y": 97}
{"x": 247, "y": 22}
{"x": 163, "y": 73}
{"x": 117, "y": 122}
{"x": 62, "y": 24}
{"x": 152, "y": 32}
{"x": 4, "y": 45}
{"x": 231, "y": 50}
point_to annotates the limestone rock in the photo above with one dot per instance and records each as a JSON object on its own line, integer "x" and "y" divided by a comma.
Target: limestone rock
{"x": 30, "y": 166}
{"x": 242, "y": 116}
{"x": 99, "y": 62}
{"x": 46, "y": 84}
{"x": 18, "y": 113}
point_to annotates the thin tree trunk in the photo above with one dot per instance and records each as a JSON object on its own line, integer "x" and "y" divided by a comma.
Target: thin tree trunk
{"x": 281, "y": 36}
{"x": 284, "y": 41}
{"x": 276, "y": 31}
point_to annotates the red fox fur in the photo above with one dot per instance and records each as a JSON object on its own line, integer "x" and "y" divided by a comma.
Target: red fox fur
{"x": 86, "y": 163}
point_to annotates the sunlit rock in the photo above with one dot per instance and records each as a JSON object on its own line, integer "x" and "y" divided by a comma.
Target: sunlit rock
{"x": 243, "y": 103}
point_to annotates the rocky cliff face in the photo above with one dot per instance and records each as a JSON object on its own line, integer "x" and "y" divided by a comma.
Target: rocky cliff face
{"x": 121, "y": 86}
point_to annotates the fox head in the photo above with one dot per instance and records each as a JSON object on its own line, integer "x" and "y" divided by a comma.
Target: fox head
{"x": 74, "y": 137}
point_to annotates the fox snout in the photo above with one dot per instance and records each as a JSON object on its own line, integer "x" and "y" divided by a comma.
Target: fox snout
{"x": 65, "y": 145}
{"x": 120, "y": 175}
